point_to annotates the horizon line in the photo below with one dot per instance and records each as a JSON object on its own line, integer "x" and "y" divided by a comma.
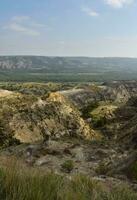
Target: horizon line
{"x": 54, "y": 56}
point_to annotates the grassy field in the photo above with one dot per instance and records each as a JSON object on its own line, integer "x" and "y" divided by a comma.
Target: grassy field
{"x": 27, "y": 76}
{"x": 21, "y": 183}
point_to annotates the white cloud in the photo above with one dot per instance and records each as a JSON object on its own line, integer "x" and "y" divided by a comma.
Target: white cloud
{"x": 24, "y": 25}
{"x": 20, "y": 28}
{"x": 90, "y": 12}
{"x": 118, "y": 3}
{"x": 20, "y": 18}
{"x": 38, "y": 25}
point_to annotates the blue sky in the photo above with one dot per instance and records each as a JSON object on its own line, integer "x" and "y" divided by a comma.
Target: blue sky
{"x": 68, "y": 27}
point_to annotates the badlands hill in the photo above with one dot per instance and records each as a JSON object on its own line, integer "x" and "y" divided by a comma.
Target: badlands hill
{"x": 32, "y": 112}
{"x": 86, "y": 128}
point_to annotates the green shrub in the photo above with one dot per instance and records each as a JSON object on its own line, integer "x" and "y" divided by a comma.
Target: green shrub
{"x": 86, "y": 111}
{"x": 102, "y": 168}
{"x": 98, "y": 121}
{"x": 67, "y": 166}
{"x": 132, "y": 171}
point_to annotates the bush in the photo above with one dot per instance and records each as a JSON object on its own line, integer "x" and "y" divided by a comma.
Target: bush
{"x": 102, "y": 168}
{"x": 67, "y": 166}
{"x": 132, "y": 171}
{"x": 86, "y": 111}
{"x": 98, "y": 121}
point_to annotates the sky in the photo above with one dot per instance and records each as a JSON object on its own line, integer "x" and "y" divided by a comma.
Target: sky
{"x": 95, "y": 28}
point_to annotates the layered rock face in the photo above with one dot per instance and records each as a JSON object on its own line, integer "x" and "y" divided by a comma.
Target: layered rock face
{"x": 115, "y": 92}
{"x": 83, "y": 97}
{"x": 121, "y": 91}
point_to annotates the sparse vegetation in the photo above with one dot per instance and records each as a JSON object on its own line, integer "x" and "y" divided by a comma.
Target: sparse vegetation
{"x": 31, "y": 88}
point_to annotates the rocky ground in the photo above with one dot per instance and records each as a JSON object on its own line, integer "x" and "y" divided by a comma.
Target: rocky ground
{"x": 105, "y": 162}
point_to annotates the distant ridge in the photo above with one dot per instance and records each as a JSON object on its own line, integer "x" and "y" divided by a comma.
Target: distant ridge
{"x": 45, "y": 68}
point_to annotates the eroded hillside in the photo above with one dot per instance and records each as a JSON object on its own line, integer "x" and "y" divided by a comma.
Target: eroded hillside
{"x": 29, "y": 118}
{"x": 32, "y": 112}
{"x": 89, "y": 128}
